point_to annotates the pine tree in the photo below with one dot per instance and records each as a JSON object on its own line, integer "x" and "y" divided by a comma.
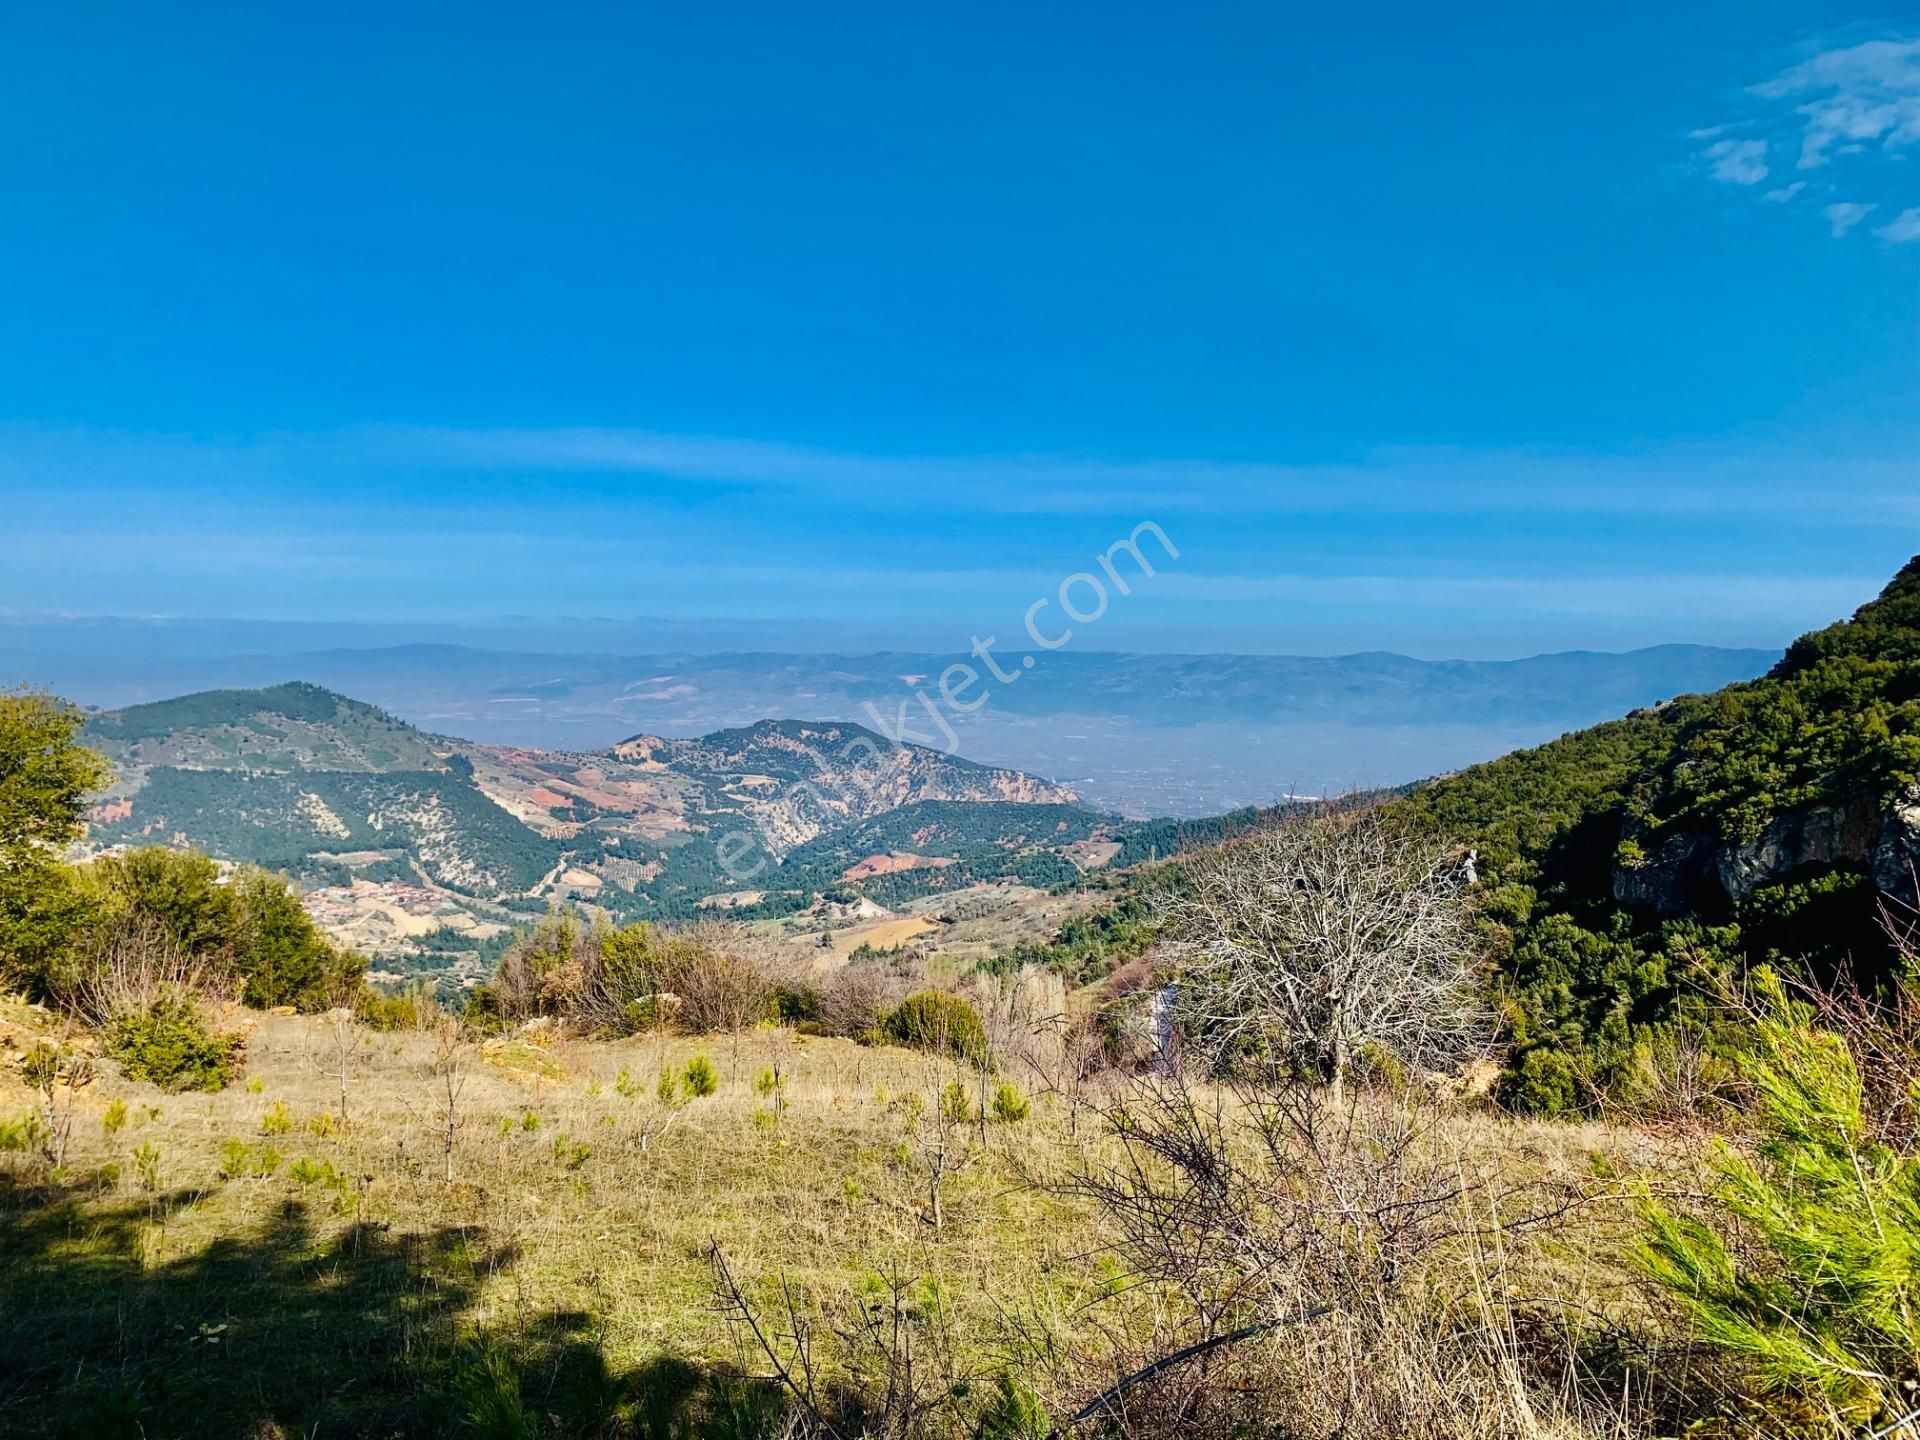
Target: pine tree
{"x": 1806, "y": 1268}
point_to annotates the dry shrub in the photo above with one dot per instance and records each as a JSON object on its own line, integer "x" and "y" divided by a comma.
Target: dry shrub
{"x": 604, "y": 981}
{"x": 718, "y": 987}
{"x": 1319, "y": 941}
{"x": 1397, "y": 1374}
{"x": 1344, "y": 1240}
{"x": 134, "y": 962}
{"x": 1025, "y": 1015}
{"x": 543, "y": 973}
{"x": 856, "y": 998}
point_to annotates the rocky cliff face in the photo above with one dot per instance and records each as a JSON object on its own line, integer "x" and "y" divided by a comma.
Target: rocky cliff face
{"x": 799, "y": 780}
{"x": 1693, "y": 872}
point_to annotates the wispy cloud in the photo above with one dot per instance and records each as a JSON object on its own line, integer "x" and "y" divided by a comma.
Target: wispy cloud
{"x": 1845, "y": 215}
{"x": 1903, "y": 229}
{"x": 1738, "y": 162}
{"x": 1848, "y": 99}
{"x": 503, "y": 470}
{"x": 423, "y": 521}
{"x": 1838, "y": 116}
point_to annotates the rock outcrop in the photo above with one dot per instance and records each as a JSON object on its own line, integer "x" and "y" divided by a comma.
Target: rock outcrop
{"x": 1695, "y": 873}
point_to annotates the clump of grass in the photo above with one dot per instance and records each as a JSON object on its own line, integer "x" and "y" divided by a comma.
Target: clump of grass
{"x": 487, "y": 1393}
{"x": 1013, "y": 1412}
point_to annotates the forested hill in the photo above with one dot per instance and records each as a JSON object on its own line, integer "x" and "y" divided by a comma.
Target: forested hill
{"x": 1629, "y": 867}
{"x": 299, "y": 778}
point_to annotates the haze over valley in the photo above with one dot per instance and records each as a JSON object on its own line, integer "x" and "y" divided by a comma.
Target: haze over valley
{"x": 1140, "y": 734}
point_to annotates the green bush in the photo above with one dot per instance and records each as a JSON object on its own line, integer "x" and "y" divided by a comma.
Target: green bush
{"x": 282, "y": 957}
{"x": 1009, "y": 1105}
{"x": 25, "y": 1133}
{"x": 934, "y": 1020}
{"x": 699, "y": 1078}
{"x": 241, "y": 1161}
{"x": 1543, "y": 1083}
{"x": 955, "y": 1108}
{"x": 170, "y": 1044}
{"x": 309, "y": 1171}
{"x": 796, "y": 1002}
{"x": 570, "y": 1152}
{"x": 409, "y": 1010}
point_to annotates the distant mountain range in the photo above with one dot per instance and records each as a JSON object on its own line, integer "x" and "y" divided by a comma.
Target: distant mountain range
{"x": 688, "y": 693}
{"x": 1143, "y": 734}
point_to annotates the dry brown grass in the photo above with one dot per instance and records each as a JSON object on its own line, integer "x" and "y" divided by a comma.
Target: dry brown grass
{"x": 829, "y": 1195}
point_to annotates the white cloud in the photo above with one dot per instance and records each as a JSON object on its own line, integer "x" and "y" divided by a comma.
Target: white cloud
{"x": 1843, "y": 217}
{"x": 1903, "y": 229}
{"x": 1738, "y": 162}
{"x": 1860, "y": 95}
{"x": 1850, "y": 112}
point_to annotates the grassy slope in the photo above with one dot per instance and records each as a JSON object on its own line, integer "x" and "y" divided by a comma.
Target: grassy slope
{"x": 225, "y": 1302}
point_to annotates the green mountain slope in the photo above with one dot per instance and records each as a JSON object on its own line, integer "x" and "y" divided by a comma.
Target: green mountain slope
{"x": 330, "y": 789}
{"x": 1632, "y": 867}
{"x": 283, "y": 727}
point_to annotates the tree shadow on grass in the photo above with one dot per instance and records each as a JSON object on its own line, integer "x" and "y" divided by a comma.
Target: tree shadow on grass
{"x": 302, "y": 1328}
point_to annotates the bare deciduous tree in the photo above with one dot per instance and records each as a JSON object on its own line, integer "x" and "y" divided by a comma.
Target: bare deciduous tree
{"x": 450, "y": 1055}
{"x": 897, "y": 1349}
{"x": 1309, "y": 943}
{"x": 343, "y": 1041}
{"x": 56, "y": 1072}
{"x": 856, "y": 996}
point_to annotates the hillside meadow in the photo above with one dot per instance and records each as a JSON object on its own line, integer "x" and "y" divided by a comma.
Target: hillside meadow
{"x": 256, "y": 1262}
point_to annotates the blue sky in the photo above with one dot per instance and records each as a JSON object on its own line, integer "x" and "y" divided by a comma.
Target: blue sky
{"x": 1451, "y": 333}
